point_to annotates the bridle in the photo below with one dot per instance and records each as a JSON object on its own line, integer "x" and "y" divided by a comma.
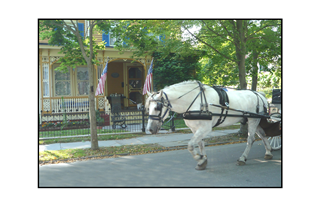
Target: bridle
{"x": 160, "y": 104}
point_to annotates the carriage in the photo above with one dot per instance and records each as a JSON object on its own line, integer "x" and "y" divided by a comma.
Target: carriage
{"x": 204, "y": 107}
{"x": 275, "y": 116}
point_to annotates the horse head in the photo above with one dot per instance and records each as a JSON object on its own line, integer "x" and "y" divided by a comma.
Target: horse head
{"x": 158, "y": 107}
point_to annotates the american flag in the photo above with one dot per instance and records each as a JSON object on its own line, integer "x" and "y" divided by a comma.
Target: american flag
{"x": 102, "y": 81}
{"x": 148, "y": 82}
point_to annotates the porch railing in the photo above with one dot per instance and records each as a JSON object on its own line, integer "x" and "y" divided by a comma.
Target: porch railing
{"x": 71, "y": 104}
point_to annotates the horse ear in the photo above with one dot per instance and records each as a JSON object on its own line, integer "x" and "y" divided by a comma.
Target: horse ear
{"x": 161, "y": 92}
{"x": 149, "y": 94}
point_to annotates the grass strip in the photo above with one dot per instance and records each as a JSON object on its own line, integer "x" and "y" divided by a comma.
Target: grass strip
{"x": 73, "y": 155}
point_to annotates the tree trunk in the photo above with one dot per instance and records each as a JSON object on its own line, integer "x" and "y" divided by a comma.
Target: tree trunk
{"x": 92, "y": 108}
{"x": 242, "y": 72}
{"x": 254, "y": 70}
{"x": 240, "y": 41}
{"x": 92, "y": 112}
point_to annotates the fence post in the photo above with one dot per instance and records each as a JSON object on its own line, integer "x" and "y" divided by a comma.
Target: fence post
{"x": 173, "y": 128}
{"x": 142, "y": 110}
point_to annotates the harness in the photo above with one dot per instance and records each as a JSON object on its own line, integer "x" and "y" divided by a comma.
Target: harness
{"x": 204, "y": 113}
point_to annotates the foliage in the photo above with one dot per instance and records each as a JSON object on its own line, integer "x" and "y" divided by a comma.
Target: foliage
{"x": 59, "y": 33}
{"x": 224, "y": 44}
{"x": 64, "y": 124}
{"x": 173, "y": 69}
{"x": 100, "y": 120}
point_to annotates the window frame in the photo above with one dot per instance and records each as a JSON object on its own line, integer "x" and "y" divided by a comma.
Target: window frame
{"x": 76, "y": 81}
{"x": 46, "y": 66}
{"x": 55, "y": 65}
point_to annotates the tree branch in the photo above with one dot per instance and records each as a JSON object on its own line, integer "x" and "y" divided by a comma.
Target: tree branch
{"x": 235, "y": 32}
{"x": 77, "y": 34}
{"x": 226, "y": 27}
{"x": 90, "y": 37}
{"x": 250, "y": 36}
{"x": 208, "y": 45}
{"x": 217, "y": 33}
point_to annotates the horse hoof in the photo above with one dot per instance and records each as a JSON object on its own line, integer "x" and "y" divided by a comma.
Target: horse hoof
{"x": 268, "y": 157}
{"x": 202, "y": 166}
{"x": 240, "y": 163}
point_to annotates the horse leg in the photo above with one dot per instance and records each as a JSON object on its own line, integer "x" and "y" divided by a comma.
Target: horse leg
{"x": 202, "y": 163}
{"x": 200, "y": 157}
{"x": 262, "y": 135}
{"x": 252, "y": 126}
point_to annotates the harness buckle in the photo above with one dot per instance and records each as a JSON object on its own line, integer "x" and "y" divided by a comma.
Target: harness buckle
{"x": 201, "y": 106}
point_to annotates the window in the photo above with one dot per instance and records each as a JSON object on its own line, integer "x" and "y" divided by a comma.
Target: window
{"x": 109, "y": 39}
{"x": 45, "y": 81}
{"x": 83, "y": 81}
{"x": 62, "y": 82}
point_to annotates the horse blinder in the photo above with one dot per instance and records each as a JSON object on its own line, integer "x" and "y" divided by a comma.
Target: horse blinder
{"x": 159, "y": 106}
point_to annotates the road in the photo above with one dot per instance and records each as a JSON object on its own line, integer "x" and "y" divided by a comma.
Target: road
{"x": 169, "y": 169}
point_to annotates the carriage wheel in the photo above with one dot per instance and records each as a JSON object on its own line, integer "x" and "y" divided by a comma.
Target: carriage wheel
{"x": 275, "y": 117}
{"x": 275, "y": 142}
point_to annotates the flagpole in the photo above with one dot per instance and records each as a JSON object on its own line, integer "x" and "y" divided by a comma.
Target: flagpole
{"x": 106, "y": 84}
{"x": 152, "y": 76}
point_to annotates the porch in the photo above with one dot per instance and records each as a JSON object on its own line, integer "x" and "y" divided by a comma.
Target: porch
{"x": 58, "y": 109}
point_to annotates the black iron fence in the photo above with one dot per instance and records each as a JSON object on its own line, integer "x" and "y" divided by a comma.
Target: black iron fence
{"x": 77, "y": 124}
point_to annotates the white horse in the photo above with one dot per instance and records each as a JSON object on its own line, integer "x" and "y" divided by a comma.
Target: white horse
{"x": 179, "y": 98}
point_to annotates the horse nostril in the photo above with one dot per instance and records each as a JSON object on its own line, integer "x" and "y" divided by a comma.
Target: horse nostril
{"x": 151, "y": 130}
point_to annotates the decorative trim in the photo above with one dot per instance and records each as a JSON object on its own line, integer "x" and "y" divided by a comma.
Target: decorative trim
{"x": 54, "y": 58}
{"x": 45, "y": 59}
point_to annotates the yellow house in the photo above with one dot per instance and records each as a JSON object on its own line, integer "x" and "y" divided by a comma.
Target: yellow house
{"x": 124, "y": 78}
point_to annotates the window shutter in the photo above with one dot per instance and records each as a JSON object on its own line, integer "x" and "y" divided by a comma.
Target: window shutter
{"x": 81, "y": 29}
{"x": 105, "y": 37}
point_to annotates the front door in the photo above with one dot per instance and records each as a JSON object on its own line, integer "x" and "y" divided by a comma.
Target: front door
{"x": 135, "y": 85}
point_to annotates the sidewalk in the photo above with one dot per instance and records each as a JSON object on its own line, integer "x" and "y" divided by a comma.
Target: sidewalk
{"x": 166, "y": 140}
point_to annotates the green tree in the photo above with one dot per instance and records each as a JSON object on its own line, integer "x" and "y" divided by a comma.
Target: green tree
{"x": 173, "y": 69}
{"x": 230, "y": 39}
{"x": 264, "y": 51}
{"x": 225, "y": 42}
{"x": 79, "y": 48}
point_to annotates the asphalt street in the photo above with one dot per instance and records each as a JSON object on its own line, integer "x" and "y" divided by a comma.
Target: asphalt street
{"x": 170, "y": 169}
